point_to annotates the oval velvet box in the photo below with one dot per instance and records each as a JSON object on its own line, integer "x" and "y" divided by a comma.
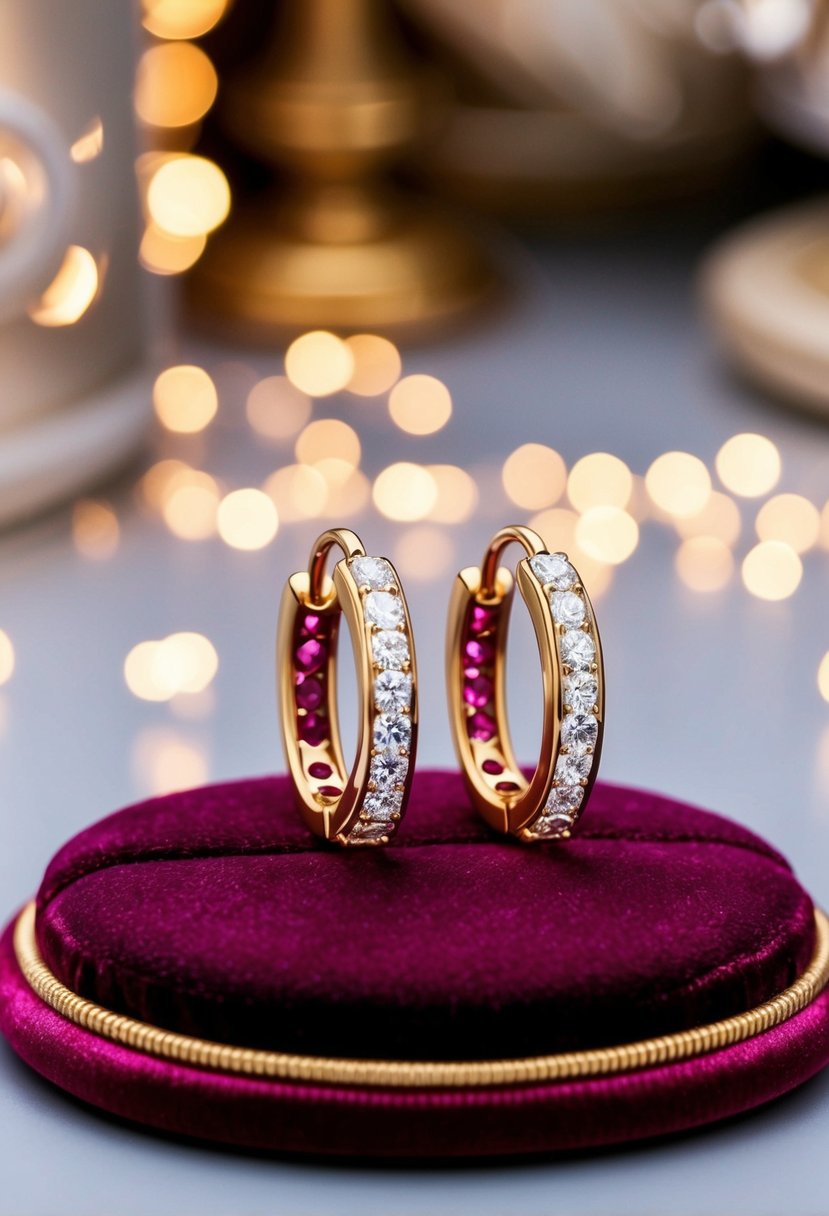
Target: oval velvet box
{"x": 213, "y": 913}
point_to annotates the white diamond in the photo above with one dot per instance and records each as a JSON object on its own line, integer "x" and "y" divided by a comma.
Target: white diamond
{"x": 390, "y": 649}
{"x": 384, "y": 609}
{"x": 553, "y": 825}
{"x": 368, "y": 831}
{"x": 568, "y": 608}
{"x": 554, "y": 568}
{"x": 392, "y": 731}
{"x": 578, "y": 732}
{"x": 564, "y": 800}
{"x": 578, "y": 650}
{"x": 388, "y": 770}
{"x": 580, "y": 691}
{"x": 383, "y": 806}
{"x": 374, "y": 572}
{"x": 570, "y": 769}
{"x": 392, "y": 691}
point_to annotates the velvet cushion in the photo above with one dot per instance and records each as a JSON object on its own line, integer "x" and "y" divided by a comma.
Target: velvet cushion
{"x": 214, "y": 912}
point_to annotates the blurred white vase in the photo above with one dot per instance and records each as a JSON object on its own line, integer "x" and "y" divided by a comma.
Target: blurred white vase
{"x": 74, "y": 397}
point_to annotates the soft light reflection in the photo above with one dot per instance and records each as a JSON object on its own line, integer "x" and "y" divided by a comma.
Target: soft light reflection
{"x": 162, "y": 253}
{"x": 6, "y": 657}
{"x": 164, "y": 762}
{"x": 156, "y": 484}
{"x": 194, "y": 706}
{"x": 299, "y": 491}
{"x": 276, "y": 409}
{"x": 319, "y": 363}
{"x": 457, "y": 494}
{"x": 349, "y": 497}
{"x": 790, "y": 518}
{"x": 678, "y": 483}
{"x": 599, "y": 480}
{"x": 247, "y": 519}
{"x": 424, "y": 553}
{"x": 328, "y": 439}
{"x": 181, "y": 18}
{"x": 95, "y": 529}
{"x": 748, "y": 465}
{"x": 182, "y": 663}
{"x": 185, "y": 399}
{"x": 377, "y": 365}
{"x": 420, "y": 405}
{"x": 534, "y": 476}
{"x": 189, "y": 504}
{"x": 607, "y": 534}
{"x": 772, "y": 570}
{"x": 720, "y": 517}
{"x": 823, "y": 677}
{"x": 71, "y": 291}
{"x": 704, "y": 563}
{"x": 175, "y": 85}
{"x": 89, "y": 145}
{"x": 188, "y": 196}
{"x": 405, "y": 492}
{"x": 824, "y": 527}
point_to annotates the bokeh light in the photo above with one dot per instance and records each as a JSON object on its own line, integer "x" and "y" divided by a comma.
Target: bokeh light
{"x": 188, "y": 195}
{"x": 534, "y": 476}
{"x": 823, "y": 677}
{"x": 319, "y": 363}
{"x": 824, "y": 526}
{"x": 377, "y": 365}
{"x": 328, "y": 439}
{"x": 247, "y": 519}
{"x": 348, "y": 497}
{"x": 185, "y": 399}
{"x": 276, "y": 409}
{"x": 182, "y": 663}
{"x": 6, "y": 657}
{"x": 164, "y": 762}
{"x": 772, "y": 570}
{"x": 175, "y": 85}
{"x": 457, "y": 494}
{"x": 748, "y": 465}
{"x": 162, "y": 253}
{"x": 424, "y": 553}
{"x": 599, "y": 480}
{"x": 181, "y": 18}
{"x": 70, "y": 293}
{"x": 405, "y": 492}
{"x": 607, "y": 534}
{"x": 90, "y": 144}
{"x": 158, "y": 481}
{"x": 189, "y": 503}
{"x": 299, "y": 491}
{"x": 678, "y": 483}
{"x": 720, "y": 518}
{"x": 420, "y": 405}
{"x": 790, "y": 518}
{"x": 704, "y": 563}
{"x": 95, "y": 529}
{"x": 557, "y": 526}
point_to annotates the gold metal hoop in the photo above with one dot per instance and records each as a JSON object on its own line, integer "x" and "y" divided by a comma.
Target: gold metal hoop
{"x": 549, "y": 804}
{"x": 365, "y": 805}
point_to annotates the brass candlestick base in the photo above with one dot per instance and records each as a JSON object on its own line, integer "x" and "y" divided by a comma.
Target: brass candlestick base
{"x": 334, "y": 102}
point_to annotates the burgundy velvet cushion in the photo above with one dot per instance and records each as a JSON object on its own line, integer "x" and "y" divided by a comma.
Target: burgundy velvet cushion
{"x": 215, "y": 913}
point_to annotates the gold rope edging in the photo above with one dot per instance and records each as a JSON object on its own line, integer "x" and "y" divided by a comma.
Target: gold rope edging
{"x": 418, "y": 1074}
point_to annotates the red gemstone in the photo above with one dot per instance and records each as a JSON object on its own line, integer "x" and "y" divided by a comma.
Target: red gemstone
{"x": 319, "y": 771}
{"x": 310, "y": 656}
{"x": 492, "y": 767}
{"x": 478, "y": 651}
{"x": 506, "y": 787}
{"x": 481, "y": 726}
{"x": 313, "y": 729}
{"x": 478, "y": 692}
{"x": 330, "y": 791}
{"x": 482, "y": 619}
{"x": 309, "y": 692}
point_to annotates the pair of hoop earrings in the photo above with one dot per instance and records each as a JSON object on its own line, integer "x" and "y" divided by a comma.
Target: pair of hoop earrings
{"x": 365, "y": 806}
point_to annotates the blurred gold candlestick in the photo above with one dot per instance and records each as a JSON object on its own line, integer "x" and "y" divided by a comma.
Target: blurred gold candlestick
{"x": 334, "y": 103}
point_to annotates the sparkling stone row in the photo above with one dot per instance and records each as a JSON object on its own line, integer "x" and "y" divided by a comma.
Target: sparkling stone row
{"x": 580, "y": 692}
{"x": 392, "y": 723}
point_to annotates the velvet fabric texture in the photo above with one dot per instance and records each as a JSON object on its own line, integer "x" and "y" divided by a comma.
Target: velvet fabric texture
{"x": 215, "y": 913}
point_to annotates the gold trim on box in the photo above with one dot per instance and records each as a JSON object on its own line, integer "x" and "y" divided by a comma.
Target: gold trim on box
{"x": 418, "y": 1074}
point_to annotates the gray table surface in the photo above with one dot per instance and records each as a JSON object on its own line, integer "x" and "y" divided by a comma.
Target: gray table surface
{"x": 713, "y": 700}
